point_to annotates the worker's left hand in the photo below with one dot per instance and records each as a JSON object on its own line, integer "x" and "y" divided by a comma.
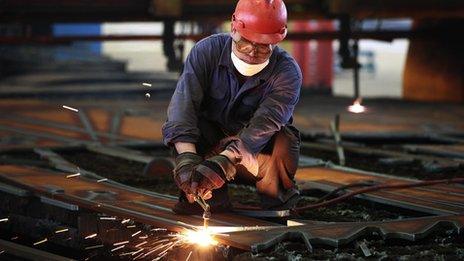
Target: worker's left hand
{"x": 212, "y": 174}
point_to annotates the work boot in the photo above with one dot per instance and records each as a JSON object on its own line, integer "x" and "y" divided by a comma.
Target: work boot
{"x": 287, "y": 200}
{"x": 219, "y": 202}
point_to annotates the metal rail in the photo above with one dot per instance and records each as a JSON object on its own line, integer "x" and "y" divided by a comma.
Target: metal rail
{"x": 29, "y": 253}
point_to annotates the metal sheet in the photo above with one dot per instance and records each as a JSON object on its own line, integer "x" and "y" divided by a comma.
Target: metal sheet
{"x": 337, "y": 234}
{"x": 436, "y": 199}
{"x": 148, "y": 209}
{"x": 29, "y": 253}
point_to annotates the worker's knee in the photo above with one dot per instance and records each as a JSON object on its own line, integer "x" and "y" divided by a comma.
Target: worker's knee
{"x": 286, "y": 141}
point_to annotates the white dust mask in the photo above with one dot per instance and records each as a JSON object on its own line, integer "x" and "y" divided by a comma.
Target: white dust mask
{"x": 247, "y": 69}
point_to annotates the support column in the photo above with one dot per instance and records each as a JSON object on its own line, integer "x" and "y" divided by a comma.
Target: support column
{"x": 434, "y": 69}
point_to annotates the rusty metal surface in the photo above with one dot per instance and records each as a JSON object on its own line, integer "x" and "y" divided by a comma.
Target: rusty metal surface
{"x": 386, "y": 153}
{"x": 117, "y": 121}
{"x": 111, "y": 199}
{"x": 451, "y": 151}
{"x": 340, "y": 233}
{"x": 48, "y": 124}
{"x": 436, "y": 199}
{"x": 250, "y": 234}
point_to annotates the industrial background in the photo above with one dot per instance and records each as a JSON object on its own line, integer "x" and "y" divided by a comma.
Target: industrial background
{"x": 84, "y": 88}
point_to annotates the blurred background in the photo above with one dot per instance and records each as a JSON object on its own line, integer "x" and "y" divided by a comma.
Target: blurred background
{"x": 389, "y": 67}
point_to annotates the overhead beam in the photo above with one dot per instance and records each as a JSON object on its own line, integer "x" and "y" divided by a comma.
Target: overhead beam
{"x": 191, "y": 10}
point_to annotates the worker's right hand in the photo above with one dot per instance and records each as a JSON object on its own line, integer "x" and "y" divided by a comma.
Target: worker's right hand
{"x": 185, "y": 165}
{"x": 212, "y": 174}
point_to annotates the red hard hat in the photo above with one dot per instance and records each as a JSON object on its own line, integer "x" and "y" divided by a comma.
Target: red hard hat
{"x": 261, "y": 21}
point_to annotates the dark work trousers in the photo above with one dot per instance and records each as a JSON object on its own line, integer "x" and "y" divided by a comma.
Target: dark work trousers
{"x": 278, "y": 162}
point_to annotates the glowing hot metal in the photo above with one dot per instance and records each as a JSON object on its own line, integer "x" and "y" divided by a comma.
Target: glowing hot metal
{"x": 357, "y": 107}
{"x": 201, "y": 237}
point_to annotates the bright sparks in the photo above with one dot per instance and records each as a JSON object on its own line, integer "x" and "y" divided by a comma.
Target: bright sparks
{"x": 3, "y": 220}
{"x": 94, "y": 247}
{"x": 91, "y": 236}
{"x": 61, "y": 231}
{"x": 146, "y": 84}
{"x": 120, "y": 243}
{"x": 70, "y": 108}
{"x": 73, "y": 175}
{"x": 40, "y": 242}
{"x": 107, "y": 218}
{"x": 357, "y": 107}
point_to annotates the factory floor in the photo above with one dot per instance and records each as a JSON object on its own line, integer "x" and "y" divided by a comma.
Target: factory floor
{"x": 64, "y": 110}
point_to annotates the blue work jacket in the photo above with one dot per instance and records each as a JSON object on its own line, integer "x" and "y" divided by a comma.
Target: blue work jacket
{"x": 209, "y": 88}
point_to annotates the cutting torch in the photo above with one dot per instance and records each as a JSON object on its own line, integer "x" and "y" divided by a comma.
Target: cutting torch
{"x": 206, "y": 210}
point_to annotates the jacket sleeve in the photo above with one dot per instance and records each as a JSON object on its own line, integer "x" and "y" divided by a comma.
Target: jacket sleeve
{"x": 274, "y": 111}
{"x": 182, "y": 113}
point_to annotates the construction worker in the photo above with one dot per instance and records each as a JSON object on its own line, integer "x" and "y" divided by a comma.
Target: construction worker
{"x": 231, "y": 113}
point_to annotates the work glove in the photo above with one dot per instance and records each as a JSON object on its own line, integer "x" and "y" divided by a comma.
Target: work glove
{"x": 185, "y": 165}
{"x": 212, "y": 174}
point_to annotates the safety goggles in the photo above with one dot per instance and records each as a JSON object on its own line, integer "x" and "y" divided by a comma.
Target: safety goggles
{"x": 246, "y": 47}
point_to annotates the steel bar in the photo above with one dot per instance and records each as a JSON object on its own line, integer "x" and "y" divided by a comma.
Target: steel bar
{"x": 337, "y": 234}
{"x": 335, "y": 128}
{"x": 115, "y": 124}
{"x": 449, "y": 151}
{"x": 58, "y": 125}
{"x": 29, "y": 253}
{"x": 307, "y": 146}
{"x": 391, "y": 186}
{"x": 88, "y": 125}
{"x": 434, "y": 200}
{"x": 38, "y": 134}
{"x": 120, "y": 152}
